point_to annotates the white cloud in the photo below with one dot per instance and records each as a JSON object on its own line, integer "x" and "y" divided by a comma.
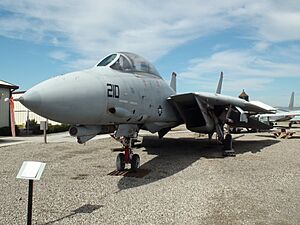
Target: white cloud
{"x": 219, "y": 47}
{"x": 92, "y": 29}
{"x": 281, "y": 26}
{"x": 261, "y": 46}
{"x": 54, "y": 41}
{"x": 270, "y": 21}
{"x": 241, "y": 63}
{"x": 58, "y": 55}
{"x": 95, "y": 28}
{"x": 242, "y": 69}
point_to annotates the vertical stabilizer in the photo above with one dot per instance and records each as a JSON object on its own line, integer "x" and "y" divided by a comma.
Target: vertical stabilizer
{"x": 291, "y": 104}
{"x": 219, "y": 87}
{"x": 173, "y": 81}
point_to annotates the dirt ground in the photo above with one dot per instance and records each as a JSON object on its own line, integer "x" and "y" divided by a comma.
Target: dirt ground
{"x": 188, "y": 182}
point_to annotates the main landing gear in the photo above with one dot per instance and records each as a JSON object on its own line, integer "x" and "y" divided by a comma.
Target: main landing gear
{"x": 127, "y": 157}
{"x": 227, "y": 142}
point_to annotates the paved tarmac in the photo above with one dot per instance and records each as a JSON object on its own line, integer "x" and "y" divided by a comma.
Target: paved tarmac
{"x": 189, "y": 182}
{"x": 51, "y": 138}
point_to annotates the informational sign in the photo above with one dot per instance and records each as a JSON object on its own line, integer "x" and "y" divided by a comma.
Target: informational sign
{"x": 31, "y": 170}
{"x": 43, "y": 125}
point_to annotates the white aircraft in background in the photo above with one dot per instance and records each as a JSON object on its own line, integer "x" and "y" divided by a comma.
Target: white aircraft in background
{"x": 296, "y": 120}
{"x": 290, "y": 115}
{"x": 124, "y": 93}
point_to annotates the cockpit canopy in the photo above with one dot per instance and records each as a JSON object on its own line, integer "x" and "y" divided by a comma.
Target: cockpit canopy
{"x": 128, "y": 62}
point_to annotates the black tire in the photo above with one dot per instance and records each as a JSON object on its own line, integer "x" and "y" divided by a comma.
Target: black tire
{"x": 135, "y": 162}
{"x": 120, "y": 162}
{"x": 228, "y": 142}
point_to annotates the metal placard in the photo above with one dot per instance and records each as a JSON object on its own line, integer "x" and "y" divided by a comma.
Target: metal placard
{"x": 43, "y": 125}
{"x": 31, "y": 170}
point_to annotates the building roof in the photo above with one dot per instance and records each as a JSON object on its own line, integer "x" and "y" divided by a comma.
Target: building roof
{"x": 243, "y": 94}
{"x": 19, "y": 92}
{"x": 8, "y": 85}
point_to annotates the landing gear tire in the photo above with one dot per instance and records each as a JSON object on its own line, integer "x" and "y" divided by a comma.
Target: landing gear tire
{"x": 228, "y": 150}
{"x": 120, "y": 162}
{"x": 135, "y": 162}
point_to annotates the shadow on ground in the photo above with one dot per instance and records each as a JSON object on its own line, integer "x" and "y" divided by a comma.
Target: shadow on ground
{"x": 4, "y": 142}
{"x": 88, "y": 208}
{"x": 295, "y": 136}
{"x": 175, "y": 154}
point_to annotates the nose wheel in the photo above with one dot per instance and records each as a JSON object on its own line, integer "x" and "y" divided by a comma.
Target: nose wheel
{"x": 120, "y": 162}
{"x": 135, "y": 162}
{"x": 127, "y": 158}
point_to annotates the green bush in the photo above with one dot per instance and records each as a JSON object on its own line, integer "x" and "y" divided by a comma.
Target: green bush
{"x": 51, "y": 128}
{"x": 57, "y": 128}
{"x": 33, "y": 126}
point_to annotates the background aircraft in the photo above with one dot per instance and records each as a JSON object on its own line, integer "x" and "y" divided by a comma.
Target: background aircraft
{"x": 124, "y": 93}
{"x": 281, "y": 115}
{"x": 296, "y": 119}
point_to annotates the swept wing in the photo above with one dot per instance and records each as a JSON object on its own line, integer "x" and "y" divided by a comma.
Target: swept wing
{"x": 208, "y": 112}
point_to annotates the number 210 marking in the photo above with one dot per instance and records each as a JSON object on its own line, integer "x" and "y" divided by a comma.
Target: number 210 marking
{"x": 113, "y": 90}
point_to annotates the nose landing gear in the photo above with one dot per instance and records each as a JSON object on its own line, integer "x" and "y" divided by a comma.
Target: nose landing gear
{"x": 127, "y": 157}
{"x": 120, "y": 162}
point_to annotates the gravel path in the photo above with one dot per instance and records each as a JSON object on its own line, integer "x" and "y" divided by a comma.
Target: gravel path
{"x": 189, "y": 182}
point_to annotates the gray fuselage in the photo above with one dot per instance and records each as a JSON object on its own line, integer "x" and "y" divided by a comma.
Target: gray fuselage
{"x": 103, "y": 96}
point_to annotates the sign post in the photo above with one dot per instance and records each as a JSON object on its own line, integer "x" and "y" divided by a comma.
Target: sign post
{"x": 29, "y": 205}
{"x": 31, "y": 171}
{"x": 44, "y": 127}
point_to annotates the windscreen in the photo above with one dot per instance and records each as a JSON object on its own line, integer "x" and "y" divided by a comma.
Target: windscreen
{"x": 107, "y": 60}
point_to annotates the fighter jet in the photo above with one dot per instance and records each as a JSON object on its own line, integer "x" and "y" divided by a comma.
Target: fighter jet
{"x": 124, "y": 93}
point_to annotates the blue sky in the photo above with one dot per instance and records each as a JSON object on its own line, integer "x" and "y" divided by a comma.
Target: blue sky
{"x": 255, "y": 43}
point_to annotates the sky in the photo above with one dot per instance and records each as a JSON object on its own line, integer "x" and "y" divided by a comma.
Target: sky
{"x": 255, "y": 43}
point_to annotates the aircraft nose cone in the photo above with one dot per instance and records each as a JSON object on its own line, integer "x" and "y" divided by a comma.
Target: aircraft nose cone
{"x": 72, "y": 98}
{"x": 31, "y": 99}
